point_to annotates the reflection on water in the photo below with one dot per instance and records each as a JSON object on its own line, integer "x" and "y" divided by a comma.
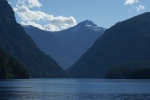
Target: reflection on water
{"x": 74, "y": 89}
{"x": 27, "y": 95}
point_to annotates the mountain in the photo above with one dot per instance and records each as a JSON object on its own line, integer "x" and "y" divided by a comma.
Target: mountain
{"x": 50, "y": 44}
{"x": 15, "y": 42}
{"x": 10, "y": 68}
{"x": 126, "y": 41}
{"x": 68, "y": 45}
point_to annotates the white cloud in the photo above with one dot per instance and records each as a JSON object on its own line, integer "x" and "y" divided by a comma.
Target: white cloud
{"x": 34, "y": 3}
{"x": 51, "y": 27}
{"x": 29, "y": 3}
{"x": 130, "y": 2}
{"x": 135, "y": 4}
{"x": 140, "y": 7}
{"x": 28, "y": 15}
{"x": 32, "y": 23}
{"x": 33, "y": 17}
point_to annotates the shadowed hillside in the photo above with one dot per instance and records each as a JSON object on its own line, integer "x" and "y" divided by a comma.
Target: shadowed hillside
{"x": 126, "y": 41}
{"x": 10, "y": 68}
{"x": 14, "y": 41}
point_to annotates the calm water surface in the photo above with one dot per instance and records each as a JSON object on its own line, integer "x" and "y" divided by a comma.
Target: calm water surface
{"x": 74, "y": 89}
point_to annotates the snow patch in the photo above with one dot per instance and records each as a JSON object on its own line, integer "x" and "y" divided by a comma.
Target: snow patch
{"x": 94, "y": 27}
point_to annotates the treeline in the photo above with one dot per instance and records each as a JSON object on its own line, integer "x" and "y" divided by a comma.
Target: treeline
{"x": 130, "y": 70}
{"x": 10, "y": 68}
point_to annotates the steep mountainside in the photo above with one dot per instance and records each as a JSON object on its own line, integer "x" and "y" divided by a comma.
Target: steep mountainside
{"x": 126, "y": 41}
{"x": 14, "y": 41}
{"x": 10, "y": 68}
{"x": 50, "y": 44}
{"x": 68, "y": 45}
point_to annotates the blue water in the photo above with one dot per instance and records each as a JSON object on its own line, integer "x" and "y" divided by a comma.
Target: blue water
{"x": 74, "y": 89}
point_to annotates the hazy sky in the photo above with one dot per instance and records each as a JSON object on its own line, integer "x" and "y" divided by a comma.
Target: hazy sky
{"x": 55, "y": 15}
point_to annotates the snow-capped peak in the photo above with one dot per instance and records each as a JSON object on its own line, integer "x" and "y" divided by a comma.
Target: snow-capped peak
{"x": 94, "y": 27}
{"x": 87, "y": 24}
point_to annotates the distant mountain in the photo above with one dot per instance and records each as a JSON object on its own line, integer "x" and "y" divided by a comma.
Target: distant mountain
{"x": 126, "y": 41}
{"x": 68, "y": 45}
{"x": 50, "y": 44}
{"x": 10, "y": 68}
{"x": 15, "y": 42}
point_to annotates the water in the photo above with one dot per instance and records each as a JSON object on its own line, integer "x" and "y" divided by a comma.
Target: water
{"x": 74, "y": 89}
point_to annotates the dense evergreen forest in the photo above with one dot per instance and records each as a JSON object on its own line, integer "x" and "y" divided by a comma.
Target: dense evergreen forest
{"x": 10, "y": 68}
{"x": 130, "y": 70}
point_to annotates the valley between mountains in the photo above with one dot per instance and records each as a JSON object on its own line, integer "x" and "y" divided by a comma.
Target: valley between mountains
{"x": 83, "y": 51}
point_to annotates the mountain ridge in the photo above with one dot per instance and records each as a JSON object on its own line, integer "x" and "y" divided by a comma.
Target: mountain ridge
{"x": 125, "y": 41}
{"x": 65, "y": 46}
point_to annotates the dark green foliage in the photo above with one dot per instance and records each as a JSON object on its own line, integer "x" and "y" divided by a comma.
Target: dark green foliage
{"x": 119, "y": 73}
{"x": 142, "y": 73}
{"x": 126, "y": 41}
{"x": 128, "y": 70}
{"x": 14, "y": 41}
{"x": 10, "y": 68}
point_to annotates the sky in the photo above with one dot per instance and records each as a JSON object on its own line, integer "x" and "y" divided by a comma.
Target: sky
{"x": 56, "y": 15}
